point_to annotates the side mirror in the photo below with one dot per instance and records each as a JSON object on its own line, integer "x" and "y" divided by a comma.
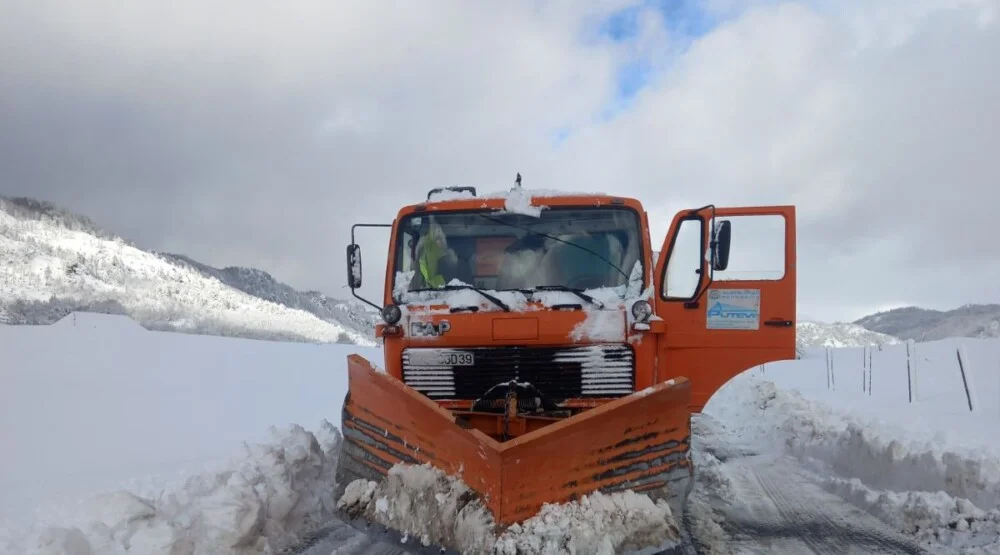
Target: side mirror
{"x": 354, "y": 266}
{"x": 720, "y": 245}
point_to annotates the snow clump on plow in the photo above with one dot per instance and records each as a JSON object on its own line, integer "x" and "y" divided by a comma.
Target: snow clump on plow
{"x": 433, "y": 508}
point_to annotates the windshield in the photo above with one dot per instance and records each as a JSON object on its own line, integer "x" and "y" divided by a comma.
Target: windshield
{"x": 576, "y": 248}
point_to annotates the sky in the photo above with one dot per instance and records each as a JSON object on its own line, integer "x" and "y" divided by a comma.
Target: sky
{"x": 255, "y": 133}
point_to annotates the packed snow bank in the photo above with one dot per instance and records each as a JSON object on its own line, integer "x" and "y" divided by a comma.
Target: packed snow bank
{"x": 423, "y": 502}
{"x": 437, "y": 509}
{"x": 944, "y": 489}
{"x": 863, "y": 447}
{"x": 600, "y": 524}
{"x": 101, "y": 404}
{"x": 269, "y": 500}
{"x": 934, "y": 518}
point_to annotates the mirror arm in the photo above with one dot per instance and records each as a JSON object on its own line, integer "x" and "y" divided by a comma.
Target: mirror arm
{"x": 366, "y": 301}
{"x": 354, "y": 242}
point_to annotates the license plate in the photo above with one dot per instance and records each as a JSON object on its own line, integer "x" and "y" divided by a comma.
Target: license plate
{"x": 441, "y": 358}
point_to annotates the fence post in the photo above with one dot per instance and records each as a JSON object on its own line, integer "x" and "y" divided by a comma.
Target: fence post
{"x": 870, "y": 373}
{"x": 909, "y": 372}
{"x": 864, "y": 369}
{"x": 965, "y": 378}
{"x": 827, "y": 351}
{"x": 833, "y": 374}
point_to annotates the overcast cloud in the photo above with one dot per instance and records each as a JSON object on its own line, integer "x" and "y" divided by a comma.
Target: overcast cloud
{"x": 255, "y": 133}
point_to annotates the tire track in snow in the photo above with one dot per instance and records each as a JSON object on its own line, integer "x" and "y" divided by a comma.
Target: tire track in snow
{"x": 343, "y": 538}
{"x": 830, "y": 525}
{"x": 770, "y": 505}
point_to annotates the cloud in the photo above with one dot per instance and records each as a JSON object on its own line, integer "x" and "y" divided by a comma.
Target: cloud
{"x": 254, "y": 133}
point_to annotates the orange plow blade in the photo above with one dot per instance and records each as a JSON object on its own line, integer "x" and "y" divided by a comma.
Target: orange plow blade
{"x": 639, "y": 442}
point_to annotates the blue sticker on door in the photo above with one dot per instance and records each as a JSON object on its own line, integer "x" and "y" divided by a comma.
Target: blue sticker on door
{"x": 733, "y": 309}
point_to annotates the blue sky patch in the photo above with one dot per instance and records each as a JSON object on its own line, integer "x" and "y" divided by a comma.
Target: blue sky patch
{"x": 685, "y": 21}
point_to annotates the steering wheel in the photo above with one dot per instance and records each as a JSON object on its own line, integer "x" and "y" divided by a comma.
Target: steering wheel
{"x": 586, "y": 281}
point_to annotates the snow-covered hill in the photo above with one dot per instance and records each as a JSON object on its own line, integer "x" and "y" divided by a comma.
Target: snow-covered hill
{"x": 978, "y": 321}
{"x": 818, "y": 334}
{"x": 53, "y": 262}
{"x": 352, "y": 314}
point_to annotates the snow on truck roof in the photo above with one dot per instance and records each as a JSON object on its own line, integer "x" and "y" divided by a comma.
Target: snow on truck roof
{"x": 517, "y": 199}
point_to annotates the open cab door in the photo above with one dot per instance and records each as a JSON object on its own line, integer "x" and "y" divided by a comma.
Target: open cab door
{"x": 726, "y": 287}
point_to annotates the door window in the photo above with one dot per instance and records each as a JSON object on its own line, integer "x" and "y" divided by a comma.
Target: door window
{"x": 684, "y": 264}
{"x": 757, "y": 248}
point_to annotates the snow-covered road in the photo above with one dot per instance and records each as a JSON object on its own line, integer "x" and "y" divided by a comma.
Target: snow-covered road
{"x": 340, "y": 538}
{"x": 746, "y": 500}
{"x": 767, "y": 502}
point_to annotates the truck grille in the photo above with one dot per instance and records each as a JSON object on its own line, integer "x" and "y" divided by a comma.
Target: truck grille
{"x": 558, "y": 372}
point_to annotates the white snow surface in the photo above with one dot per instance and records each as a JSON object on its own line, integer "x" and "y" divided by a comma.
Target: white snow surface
{"x": 96, "y": 403}
{"x": 611, "y": 297}
{"x": 540, "y": 192}
{"x": 519, "y": 202}
{"x": 601, "y": 325}
{"x": 819, "y": 334}
{"x": 263, "y": 503}
{"x": 434, "y": 508}
{"x": 598, "y": 524}
{"x": 931, "y": 468}
{"x": 160, "y": 442}
{"x": 424, "y": 503}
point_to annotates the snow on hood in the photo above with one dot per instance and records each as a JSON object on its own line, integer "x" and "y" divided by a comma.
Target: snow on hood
{"x": 611, "y": 297}
{"x": 606, "y": 324}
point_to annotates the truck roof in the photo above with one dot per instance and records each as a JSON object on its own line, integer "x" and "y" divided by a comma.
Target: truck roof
{"x": 515, "y": 200}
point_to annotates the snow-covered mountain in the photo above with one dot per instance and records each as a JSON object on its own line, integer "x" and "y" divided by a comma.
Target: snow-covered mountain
{"x": 920, "y": 324}
{"x": 53, "y": 262}
{"x": 819, "y": 334}
{"x": 352, "y": 314}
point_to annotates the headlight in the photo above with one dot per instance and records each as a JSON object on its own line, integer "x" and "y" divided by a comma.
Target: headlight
{"x": 391, "y": 314}
{"x": 641, "y": 311}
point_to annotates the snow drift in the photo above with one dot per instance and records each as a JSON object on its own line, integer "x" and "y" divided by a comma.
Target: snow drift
{"x": 925, "y": 483}
{"x": 269, "y": 500}
{"x": 436, "y": 509}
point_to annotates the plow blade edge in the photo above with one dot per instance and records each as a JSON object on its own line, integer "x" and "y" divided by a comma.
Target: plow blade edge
{"x": 639, "y": 442}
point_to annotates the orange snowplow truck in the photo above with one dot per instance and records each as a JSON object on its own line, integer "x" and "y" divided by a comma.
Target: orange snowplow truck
{"x": 539, "y": 347}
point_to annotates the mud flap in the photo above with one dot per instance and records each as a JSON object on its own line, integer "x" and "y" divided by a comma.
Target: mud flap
{"x": 639, "y": 442}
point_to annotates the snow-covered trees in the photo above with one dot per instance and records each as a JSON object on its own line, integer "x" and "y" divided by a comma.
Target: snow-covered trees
{"x": 53, "y": 263}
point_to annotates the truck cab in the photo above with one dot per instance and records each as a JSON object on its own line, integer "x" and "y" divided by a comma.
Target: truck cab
{"x": 563, "y": 297}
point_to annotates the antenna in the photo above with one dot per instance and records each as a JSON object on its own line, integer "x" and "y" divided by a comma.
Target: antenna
{"x": 517, "y": 181}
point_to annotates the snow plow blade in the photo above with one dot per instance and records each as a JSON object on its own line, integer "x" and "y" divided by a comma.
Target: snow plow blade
{"x": 639, "y": 442}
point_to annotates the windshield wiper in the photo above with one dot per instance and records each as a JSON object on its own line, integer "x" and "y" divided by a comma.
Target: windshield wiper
{"x": 577, "y": 292}
{"x": 498, "y": 302}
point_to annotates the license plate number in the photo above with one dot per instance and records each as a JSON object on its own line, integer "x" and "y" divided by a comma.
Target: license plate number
{"x": 441, "y": 358}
